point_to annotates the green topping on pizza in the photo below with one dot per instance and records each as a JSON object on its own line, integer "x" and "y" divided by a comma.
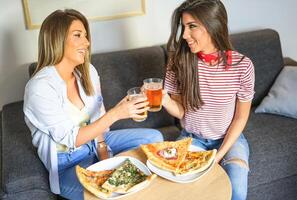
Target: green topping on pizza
{"x": 127, "y": 174}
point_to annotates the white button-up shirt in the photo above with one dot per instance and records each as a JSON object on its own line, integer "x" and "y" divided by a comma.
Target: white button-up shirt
{"x": 45, "y": 103}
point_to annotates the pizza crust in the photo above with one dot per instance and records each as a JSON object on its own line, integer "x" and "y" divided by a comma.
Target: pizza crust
{"x": 89, "y": 184}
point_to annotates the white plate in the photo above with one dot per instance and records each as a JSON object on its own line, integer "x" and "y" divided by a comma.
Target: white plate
{"x": 181, "y": 178}
{"x": 115, "y": 162}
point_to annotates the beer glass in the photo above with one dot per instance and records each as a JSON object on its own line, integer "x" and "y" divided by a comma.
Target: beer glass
{"x": 153, "y": 90}
{"x": 133, "y": 93}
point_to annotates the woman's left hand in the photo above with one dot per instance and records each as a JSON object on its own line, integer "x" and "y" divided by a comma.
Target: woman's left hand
{"x": 218, "y": 158}
{"x": 165, "y": 97}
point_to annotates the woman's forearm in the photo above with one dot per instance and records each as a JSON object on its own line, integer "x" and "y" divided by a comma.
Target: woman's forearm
{"x": 236, "y": 127}
{"x": 96, "y": 129}
{"x": 232, "y": 135}
{"x": 173, "y": 106}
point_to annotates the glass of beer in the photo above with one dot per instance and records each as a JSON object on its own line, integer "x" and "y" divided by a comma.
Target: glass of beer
{"x": 153, "y": 90}
{"x": 133, "y": 93}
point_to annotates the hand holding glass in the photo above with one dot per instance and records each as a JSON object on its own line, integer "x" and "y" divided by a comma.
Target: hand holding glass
{"x": 133, "y": 93}
{"x": 153, "y": 90}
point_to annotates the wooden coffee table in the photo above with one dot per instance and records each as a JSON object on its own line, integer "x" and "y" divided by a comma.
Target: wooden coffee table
{"x": 215, "y": 185}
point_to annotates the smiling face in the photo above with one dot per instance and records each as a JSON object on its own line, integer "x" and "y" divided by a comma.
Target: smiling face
{"x": 196, "y": 35}
{"x": 76, "y": 45}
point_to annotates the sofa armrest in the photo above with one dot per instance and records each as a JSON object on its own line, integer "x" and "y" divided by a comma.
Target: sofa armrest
{"x": 21, "y": 168}
{"x": 289, "y": 61}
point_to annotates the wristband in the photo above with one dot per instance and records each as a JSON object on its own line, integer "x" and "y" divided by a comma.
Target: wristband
{"x": 101, "y": 144}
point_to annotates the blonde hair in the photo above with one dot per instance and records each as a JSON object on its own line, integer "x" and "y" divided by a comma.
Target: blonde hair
{"x": 51, "y": 43}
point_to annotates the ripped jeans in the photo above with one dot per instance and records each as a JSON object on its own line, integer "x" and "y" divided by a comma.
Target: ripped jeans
{"x": 237, "y": 173}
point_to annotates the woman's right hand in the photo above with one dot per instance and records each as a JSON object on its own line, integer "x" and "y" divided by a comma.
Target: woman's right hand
{"x": 173, "y": 104}
{"x": 131, "y": 108}
{"x": 165, "y": 98}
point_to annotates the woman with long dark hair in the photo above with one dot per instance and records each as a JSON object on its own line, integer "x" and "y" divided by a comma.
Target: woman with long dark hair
{"x": 210, "y": 86}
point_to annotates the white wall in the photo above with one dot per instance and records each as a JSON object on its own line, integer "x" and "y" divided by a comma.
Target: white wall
{"x": 257, "y": 14}
{"x": 19, "y": 46}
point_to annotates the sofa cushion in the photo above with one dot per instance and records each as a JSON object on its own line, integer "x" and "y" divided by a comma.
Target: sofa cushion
{"x": 272, "y": 141}
{"x": 17, "y": 150}
{"x": 122, "y": 70}
{"x": 282, "y": 97}
{"x": 264, "y": 49}
{"x": 35, "y": 194}
{"x": 282, "y": 189}
{"x": 170, "y": 133}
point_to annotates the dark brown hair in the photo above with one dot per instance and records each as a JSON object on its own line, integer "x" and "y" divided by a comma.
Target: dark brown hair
{"x": 51, "y": 43}
{"x": 213, "y": 16}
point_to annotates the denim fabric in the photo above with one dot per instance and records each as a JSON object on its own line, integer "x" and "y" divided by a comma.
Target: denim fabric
{"x": 118, "y": 141}
{"x": 240, "y": 150}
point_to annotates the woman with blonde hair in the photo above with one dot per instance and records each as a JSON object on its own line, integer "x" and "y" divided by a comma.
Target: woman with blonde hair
{"x": 64, "y": 109}
{"x": 211, "y": 86}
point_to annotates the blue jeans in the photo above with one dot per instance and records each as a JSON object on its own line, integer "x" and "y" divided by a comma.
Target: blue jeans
{"x": 238, "y": 174}
{"x": 118, "y": 141}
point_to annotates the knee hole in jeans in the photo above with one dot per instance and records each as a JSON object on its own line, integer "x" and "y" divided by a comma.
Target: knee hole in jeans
{"x": 236, "y": 161}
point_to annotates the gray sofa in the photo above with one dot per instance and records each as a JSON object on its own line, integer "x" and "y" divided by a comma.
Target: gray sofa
{"x": 272, "y": 138}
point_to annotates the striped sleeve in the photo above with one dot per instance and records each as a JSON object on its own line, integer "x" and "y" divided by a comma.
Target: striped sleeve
{"x": 171, "y": 83}
{"x": 246, "y": 91}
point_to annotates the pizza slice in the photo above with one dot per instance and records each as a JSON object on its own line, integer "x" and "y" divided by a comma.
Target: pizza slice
{"x": 93, "y": 180}
{"x": 196, "y": 162}
{"x": 126, "y": 177}
{"x": 167, "y": 155}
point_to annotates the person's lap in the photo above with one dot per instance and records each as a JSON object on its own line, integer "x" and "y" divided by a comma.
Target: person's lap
{"x": 235, "y": 162}
{"x": 70, "y": 187}
{"x": 127, "y": 139}
{"x": 118, "y": 141}
{"x": 239, "y": 150}
{"x": 236, "y": 165}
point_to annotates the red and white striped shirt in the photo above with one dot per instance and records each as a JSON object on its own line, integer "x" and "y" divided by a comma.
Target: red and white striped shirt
{"x": 219, "y": 89}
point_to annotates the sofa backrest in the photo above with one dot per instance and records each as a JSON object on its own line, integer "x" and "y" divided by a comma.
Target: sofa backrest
{"x": 264, "y": 49}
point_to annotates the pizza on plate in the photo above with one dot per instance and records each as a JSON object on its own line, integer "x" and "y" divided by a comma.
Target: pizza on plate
{"x": 125, "y": 178}
{"x": 196, "y": 162}
{"x": 93, "y": 180}
{"x": 167, "y": 155}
